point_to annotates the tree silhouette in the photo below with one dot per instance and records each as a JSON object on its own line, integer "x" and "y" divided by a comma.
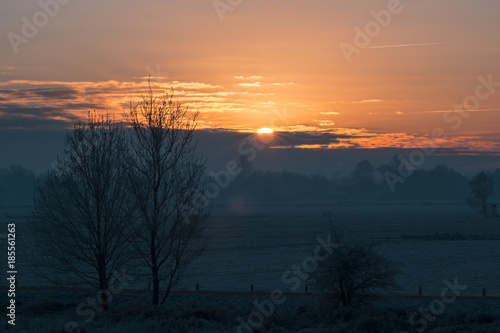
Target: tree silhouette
{"x": 363, "y": 177}
{"x": 364, "y": 173}
{"x": 82, "y": 207}
{"x": 481, "y": 189}
{"x": 354, "y": 273}
{"x": 165, "y": 177}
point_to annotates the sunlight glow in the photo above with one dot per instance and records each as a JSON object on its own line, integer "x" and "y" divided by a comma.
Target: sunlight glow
{"x": 265, "y": 131}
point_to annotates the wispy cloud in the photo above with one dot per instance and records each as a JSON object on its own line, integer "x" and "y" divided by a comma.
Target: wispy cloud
{"x": 282, "y": 84}
{"x": 252, "y": 85}
{"x": 359, "y": 102}
{"x": 50, "y": 104}
{"x": 445, "y": 111}
{"x": 6, "y": 70}
{"x": 325, "y": 122}
{"x": 369, "y": 101}
{"x": 250, "y": 78}
{"x": 410, "y": 45}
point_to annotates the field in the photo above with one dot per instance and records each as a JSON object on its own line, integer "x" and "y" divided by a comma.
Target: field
{"x": 254, "y": 244}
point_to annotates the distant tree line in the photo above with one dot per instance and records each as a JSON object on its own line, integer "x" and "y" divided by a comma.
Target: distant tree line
{"x": 481, "y": 190}
{"x": 365, "y": 182}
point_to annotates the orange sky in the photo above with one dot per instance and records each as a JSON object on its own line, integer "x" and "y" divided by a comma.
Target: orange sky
{"x": 268, "y": 63}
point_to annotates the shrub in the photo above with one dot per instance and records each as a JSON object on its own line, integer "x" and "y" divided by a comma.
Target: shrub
{"x": 355, "y": 274}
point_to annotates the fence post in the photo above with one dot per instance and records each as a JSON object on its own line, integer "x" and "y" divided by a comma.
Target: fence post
{"x": 251, "y": 287}
{"x": 419, "y": 291}
{"x": 197, "y": 287}
{"x": 306, "y": 288}
{"x": 484, "y": 292}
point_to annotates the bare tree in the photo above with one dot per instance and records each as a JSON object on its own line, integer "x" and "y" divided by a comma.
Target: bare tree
{"x": 166, "y": 177}
{"x": 364, "y": 174}
{"x": 246, "y": 165}
{"x": 354, "y": 273}
{"x": 481, "y": 189}
{"x": 82, "y": 207}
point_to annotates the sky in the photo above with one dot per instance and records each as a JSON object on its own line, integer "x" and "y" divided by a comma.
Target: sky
{"x": 323, "y": 74}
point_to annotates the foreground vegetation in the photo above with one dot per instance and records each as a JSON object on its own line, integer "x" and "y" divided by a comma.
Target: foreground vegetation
{"x": 50, "y": 311}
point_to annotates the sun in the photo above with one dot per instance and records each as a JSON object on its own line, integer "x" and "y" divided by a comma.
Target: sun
{"x": 265, "y": 131}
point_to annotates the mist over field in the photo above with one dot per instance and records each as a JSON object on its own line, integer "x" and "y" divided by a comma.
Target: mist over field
{"x": 264, "y": 225}
{"x": 257, "y": 166}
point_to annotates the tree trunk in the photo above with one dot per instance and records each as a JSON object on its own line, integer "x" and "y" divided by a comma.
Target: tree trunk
{"x": 104, "y": 300}
{"x": 103, "y": 285}
{"x": 155, "y": 270}
{"x": 343, "y": 296}
{"x": 156, "y": 286}
{"x": 169, "y": 287}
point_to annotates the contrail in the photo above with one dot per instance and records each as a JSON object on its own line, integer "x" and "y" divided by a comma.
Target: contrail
{"x": 445, "y": 111}
{"x": 408, "y": 45}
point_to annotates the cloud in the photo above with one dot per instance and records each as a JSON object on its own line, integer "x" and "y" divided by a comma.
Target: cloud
{"x": 14, "y": 117}
{"x": 369, "y": 101}
{"x": 282, "y": 84}
{"x": 446, "y": 111}
{"x": 249, "y": 78}
{"x": 254, "y": 84}
{"x": 7, "y": 70}
{"x": 55, "y": 93}
{"x": 321, "y": 138}
{"x": 266, "y": 103}
{"x": 359, "y": 102}
{"x": 51, "y": 105}
{"x": 325, "y": 122}
{"x": 72, "y": 100}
